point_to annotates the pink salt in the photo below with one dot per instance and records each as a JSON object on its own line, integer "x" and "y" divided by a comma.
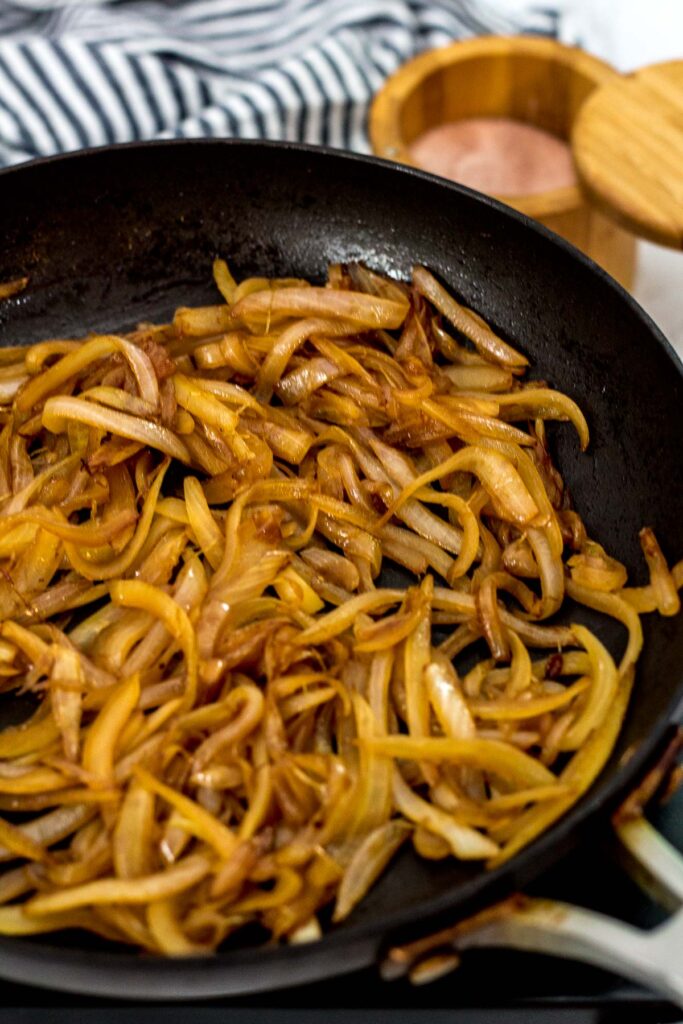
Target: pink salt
{"x": 496, "y": 155}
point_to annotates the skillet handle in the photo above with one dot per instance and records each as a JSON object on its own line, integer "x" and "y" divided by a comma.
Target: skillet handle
{"x": 651, "y": 958}
{"x": 544, "y": 926}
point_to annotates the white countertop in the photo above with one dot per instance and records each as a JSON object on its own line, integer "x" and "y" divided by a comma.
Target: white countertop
{"x": 659, "y": 289}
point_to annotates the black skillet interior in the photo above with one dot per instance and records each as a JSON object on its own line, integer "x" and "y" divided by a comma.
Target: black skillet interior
{"x": 112, "y": 237}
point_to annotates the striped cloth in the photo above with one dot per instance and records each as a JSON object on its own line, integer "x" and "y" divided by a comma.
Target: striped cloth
{"x": 77, "y": 73}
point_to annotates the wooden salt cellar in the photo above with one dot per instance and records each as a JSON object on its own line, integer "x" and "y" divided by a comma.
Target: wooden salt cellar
{"x": 538, "y": 81}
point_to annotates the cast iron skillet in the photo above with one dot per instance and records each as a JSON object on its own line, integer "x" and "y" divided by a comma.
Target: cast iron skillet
{"x": 113, "y": 236}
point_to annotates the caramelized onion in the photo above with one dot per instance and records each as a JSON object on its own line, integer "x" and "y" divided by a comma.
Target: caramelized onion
{"x": 242, "y": 713}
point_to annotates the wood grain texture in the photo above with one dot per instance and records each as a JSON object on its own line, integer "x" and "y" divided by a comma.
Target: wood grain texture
{"x": 628, "y": 148}
{"x": 538, "y": 81}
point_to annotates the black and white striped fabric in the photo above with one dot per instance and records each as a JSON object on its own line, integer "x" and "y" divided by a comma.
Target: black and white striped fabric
{"x": 76, "y": 73}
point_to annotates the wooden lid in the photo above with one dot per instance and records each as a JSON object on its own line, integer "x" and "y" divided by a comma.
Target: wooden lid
{"x": 628, "y": 148}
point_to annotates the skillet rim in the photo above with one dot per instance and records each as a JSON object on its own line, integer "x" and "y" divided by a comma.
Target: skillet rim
{"x": 103, "y": 972}
{"x": 375, "y": 161}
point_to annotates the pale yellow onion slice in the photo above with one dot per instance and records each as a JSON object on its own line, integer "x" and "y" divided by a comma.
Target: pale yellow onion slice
{"x": 497, "y": 474}
{"x": 337, "y": 621}
{"x": 132, "y": 840}
{"x": 617, "y": 608}
{"x": 194, "y": 818}
{"x": 584, "y": 767}
{"x": 58, "y": 411}
{"x": 174, "y": 879}
{"x": 661, "y": 579}
{"x": 487, "y": 343}
{"x": 510, "y": 709}
{"x": 100, "y": 743}
{"x": 291, "y": 339}
{"x": 164, "y": 926}
{"x": 206, "y": 530}
{"x": 546, "y": 403}
{"x": 368, "y": 863}
{"x": 601, "y": 694}
{"x": 225, "y": 282}
{"x": 464, "y": 842}
{"x": 445, "y": 695}
{"x": 593, "y": 568}
{"x": 269, "y": 307}
{"x": 89, "y": 352}
{"x": 138, "y": 594}
{"x": 119, "y": 565}
{"x": 491, "y": 755}
{"x": 52, "y": 827}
